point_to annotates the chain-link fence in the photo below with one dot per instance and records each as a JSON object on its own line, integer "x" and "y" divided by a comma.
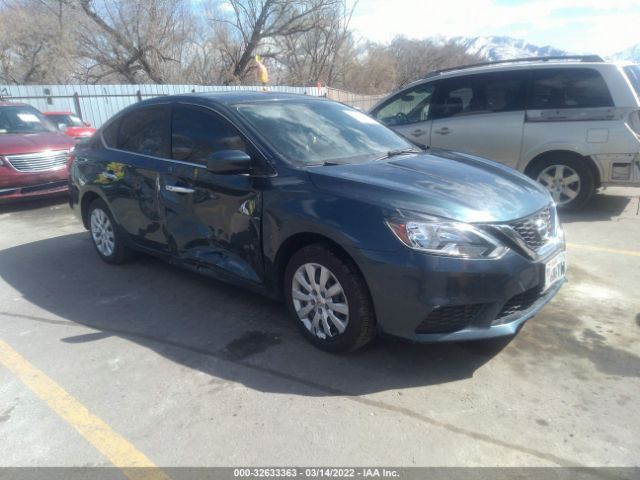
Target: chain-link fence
{"x": 357, "y": 100}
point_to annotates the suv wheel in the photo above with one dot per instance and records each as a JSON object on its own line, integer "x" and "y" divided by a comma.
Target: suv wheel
{"x": 569, "y": 181}
{"x": 105, "y": 236}
{"x": 329, "y": 300}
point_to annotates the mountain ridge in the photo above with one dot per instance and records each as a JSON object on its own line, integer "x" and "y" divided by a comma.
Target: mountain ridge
{"x": 502, "y": 47}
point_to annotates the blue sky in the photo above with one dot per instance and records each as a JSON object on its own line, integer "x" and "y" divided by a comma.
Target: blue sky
{"x": 580, "y": 26}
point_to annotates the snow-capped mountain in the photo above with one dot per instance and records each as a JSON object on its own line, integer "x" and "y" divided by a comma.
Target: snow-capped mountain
{"x": 631, "y": 54}
{"x": 506, "y": 48}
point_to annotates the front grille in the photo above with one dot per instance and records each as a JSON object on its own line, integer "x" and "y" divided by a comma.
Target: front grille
{"x": 537, "y": 229}
{"x": 448, "y": 319}
{"x": 519, "y": 303}
{"x": 38, "y": 162}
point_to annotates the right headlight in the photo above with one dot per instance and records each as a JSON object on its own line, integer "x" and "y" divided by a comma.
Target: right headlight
{"x": 448, "y": 238}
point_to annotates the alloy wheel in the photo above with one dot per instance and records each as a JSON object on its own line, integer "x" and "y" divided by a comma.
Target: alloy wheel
{"x": 102, "y": 232}
{"x": 319, "y": 301}
{"x": 562, "y": 181}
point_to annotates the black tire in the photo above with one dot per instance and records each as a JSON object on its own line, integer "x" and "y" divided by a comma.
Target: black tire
{"x": 360, "y": 327}
{"x": 579, "y": 166}
{"x": 119, "y": 253}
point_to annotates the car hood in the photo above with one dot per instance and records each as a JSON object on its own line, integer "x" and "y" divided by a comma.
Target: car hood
{"x": 440, "y": 183}
{"x": 16, "y": 143}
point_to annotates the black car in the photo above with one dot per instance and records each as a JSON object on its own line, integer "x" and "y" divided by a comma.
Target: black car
{"x": 360, "y": 231}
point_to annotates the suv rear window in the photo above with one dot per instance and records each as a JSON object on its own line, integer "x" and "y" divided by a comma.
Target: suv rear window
{"x": 568, "y": 88}
{"x": 633, "y": 74}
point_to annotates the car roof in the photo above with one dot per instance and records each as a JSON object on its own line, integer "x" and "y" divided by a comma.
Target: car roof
{"x": 507, "y": 66}
{"x": 13, "y": 104}
{"x": 58, "y": 113}
{"x": 234, "y": 97}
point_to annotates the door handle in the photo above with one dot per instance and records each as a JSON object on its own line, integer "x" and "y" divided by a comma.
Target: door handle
{"x": 417, "y": 133}
{"x": 110, "y": 176}
{"x": 177, "y": 189}
{"x": 443, "y": 131}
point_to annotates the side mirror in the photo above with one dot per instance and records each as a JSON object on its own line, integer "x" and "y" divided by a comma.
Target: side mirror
{"x": 62, "y": 127}
{"x": 229, "y": 162}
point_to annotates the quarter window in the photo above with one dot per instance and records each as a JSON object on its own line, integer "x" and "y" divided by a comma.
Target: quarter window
{"x": 110, "y": 133}
{"x": 146, "y": 131}
{"x": 196, "y": 134}
{"x": 409, "y": 107}
{"x": 568, "y": 88}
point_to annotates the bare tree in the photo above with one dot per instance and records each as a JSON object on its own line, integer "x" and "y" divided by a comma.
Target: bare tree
{"x": 34, "y": 45}
{"x": 213, "y": 41}
{"x": 132, "y": 40}
{"x": 255, "y": 24}
{"x": 315, "y": 55}
{"x": 416, "y": 58}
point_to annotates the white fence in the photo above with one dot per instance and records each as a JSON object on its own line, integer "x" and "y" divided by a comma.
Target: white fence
{"x": 97, "y": 103}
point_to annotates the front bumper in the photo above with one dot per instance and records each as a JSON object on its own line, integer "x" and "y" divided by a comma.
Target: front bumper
{"x": 19, "y": 185}
{"x": 426, "y": 298}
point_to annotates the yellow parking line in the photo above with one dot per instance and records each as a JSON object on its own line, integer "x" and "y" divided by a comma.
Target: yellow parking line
{"x": 605, "y": 249}
{"x": 120, "y": 452}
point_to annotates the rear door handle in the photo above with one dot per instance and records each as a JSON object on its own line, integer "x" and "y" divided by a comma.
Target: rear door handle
{"x": 417, "y": 133}
{"x": 443, "y": 131}
{"x": 177, "y": 189}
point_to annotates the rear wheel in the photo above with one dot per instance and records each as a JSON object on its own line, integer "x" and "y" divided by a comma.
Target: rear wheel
{"x": 105, "y": 235}
{"x": 329, "y": 300}
{"x": 568, "y": 179}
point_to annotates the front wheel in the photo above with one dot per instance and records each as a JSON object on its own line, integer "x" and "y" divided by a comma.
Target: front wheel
{"x": 569, "y": 181}
{"x": 328, "y": 299}
{"x": 105, "y": 236}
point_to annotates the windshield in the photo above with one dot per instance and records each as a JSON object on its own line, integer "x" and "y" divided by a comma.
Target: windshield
{"x": 633, "y": 74}
{"x": 20, "y": 119}
{"x": 69, "y": 120}
{"x": 315, "y": 132}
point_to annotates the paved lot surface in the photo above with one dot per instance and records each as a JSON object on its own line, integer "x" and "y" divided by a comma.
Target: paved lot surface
{"x": 183, "y": 370}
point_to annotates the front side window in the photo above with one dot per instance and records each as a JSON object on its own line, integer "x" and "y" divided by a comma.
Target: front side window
{"x": 145, "y": 130}
{"x": 314, "y": 132}
{"x": 196, "y": 134}
{"x": 484, "y": 93}
{"x": 409, "y": 107}
{"x": 568, "y": 88}
{"x": 23, "y": 119}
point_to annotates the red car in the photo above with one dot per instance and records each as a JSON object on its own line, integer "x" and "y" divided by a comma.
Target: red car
{"x": 34, "y": 155}
{"x": 71, "y": 124}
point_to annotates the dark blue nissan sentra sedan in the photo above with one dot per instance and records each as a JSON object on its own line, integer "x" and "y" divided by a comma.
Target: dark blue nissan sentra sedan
{"x": 357, "y": 229}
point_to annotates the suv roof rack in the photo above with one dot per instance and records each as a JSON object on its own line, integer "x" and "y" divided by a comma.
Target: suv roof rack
{"x": 581, "y": 58}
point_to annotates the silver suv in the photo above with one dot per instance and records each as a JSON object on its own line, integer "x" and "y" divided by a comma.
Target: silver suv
{"x": 571, "y": 123}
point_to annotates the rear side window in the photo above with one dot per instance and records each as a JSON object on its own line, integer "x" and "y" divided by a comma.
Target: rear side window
{"x": 485, "y": 93}
{"x": 197, "y": 133}
{"x": 568, "y": 88}
{"x": 633, "y": 74}
{"x": 145, "y": 130}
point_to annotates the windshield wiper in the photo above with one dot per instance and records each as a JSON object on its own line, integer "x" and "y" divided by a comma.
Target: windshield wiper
{"x": 398, "y": 152}
{"x": 331, "y": 163}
